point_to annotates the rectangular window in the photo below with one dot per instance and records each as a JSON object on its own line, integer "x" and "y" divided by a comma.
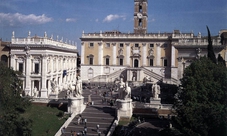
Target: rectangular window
{"x": 107, "y": 61}
{"x": 91, "y": 61}
{"x": 91, "y": 45}
{"x": 151, "y": 62}
{"x": 165, "y": 62}
{"x": 36, "y": 68}
{"x": 121, "y": 45}
{"x": 21, "y": 67}
{"x": 108, "y": 45}
{"x": 136, "y": 45}
{"x": 121, "y": 62}
{"x": 151, "y": 45}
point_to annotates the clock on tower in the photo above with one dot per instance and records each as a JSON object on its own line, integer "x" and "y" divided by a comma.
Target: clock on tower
{"x": 140, "y": 16}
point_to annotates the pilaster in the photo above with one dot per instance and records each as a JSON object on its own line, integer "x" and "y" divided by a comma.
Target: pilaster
{"x": 100, "y": 54}
{"x": 158, "y": 51}
{"x": 128, "y": 54}
{"x": 12, "y": 61}
{"x": 114, "y": 54}
{"x": 144, "y": 54}
{"x": 27, "y": 75}
{"x": 44, "y": 78}
{"x": 173, "y": 56}
{"x": 82, "y": 53}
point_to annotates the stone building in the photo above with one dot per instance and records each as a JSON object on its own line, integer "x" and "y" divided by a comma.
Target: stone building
{"x": 47, "y": 65}
{"x": 158, "y": 56}
{"x": 4, "y": 52}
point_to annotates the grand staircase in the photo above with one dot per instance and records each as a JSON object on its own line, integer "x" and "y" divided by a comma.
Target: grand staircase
{"x": 105, "y": 78}
{"x": 98, "y": 114}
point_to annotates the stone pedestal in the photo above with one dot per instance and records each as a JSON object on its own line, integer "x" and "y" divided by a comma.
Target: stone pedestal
{"x": 43, "y": 93}
{"x": 155, "y": 103}
{"x": 53, "y": 96}
{"x": 76, "y": 105}
{"x": 124, "y": 108}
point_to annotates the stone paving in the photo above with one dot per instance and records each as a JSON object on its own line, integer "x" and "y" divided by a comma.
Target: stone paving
{"x": 100, "y": 113}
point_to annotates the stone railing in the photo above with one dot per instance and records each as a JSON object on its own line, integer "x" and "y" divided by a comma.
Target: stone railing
{"x": 126, "y": 35}
{"x": 112, "y": 128}
{"x": 198, "y": 41}
{"x": 65, "y": 125}
{"x": 42, "y": 41}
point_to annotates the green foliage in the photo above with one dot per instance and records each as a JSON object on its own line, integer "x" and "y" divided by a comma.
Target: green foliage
{"x": 210, "y": 50}
{"x": 12, "y": 104}
{"x": 45, "y": 119}
{"x": 221, "y": 61}
{"x": 201, "y": 104}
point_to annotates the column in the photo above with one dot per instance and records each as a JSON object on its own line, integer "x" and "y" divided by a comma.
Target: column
{"x": 51, "y": 64}
{"x": 82, "y": 53}
{"x": 56, "y": 64}
{"x": 12, "y": 61}
{"x": 61, "y": 70}
{"x": 128, "y": 54}
{"x": 180, "y": 67}
{"x": 172, "y": 56}
{"x": 144, "y": 54}
{"x": 27, "y": 75}
{"x": 158, "y": 52}
{"x": 100, "y": 54}
{"x": 114, "y": 54}
{"x": 44, "y": 78}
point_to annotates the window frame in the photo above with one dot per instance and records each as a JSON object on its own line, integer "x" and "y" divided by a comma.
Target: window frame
{"x": 151, "y": 63}
{"x": 136, "y": 45}
{"x": 21, "y": 67}
{"x": 36, "y": 68}
{"x": 121, "y": 45}
{"x": 121, "y": 61}
{"x": 91, "y": 44}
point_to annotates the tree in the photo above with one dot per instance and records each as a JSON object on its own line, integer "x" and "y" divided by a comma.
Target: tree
{"x": 12, "y": 104}
{"x": 221, "y": 61}
{"x": 210, "y": 50}
{"x": 201, "y": 104}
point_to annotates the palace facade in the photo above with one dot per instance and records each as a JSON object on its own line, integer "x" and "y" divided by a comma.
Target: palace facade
{"x": 157, "y": 56}
{"x": 45, "y": 64}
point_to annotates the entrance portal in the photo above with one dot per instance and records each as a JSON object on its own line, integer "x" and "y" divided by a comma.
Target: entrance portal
{"x": 136, "y": 63}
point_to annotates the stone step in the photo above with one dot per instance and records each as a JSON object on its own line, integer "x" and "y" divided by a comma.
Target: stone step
{"x": 90, "y": 124}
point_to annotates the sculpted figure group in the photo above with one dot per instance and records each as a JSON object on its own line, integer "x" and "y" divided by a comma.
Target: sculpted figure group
{"x": 155, "y": 90}
{"x": 124, "y": 90}
{"x": 78, "y": 89}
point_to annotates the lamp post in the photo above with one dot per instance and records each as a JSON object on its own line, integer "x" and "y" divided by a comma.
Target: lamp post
{"x": 99, "y": 81}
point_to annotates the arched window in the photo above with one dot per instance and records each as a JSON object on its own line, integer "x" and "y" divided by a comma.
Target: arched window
{"x": 4, "y": 58}
{"x": 90, "y": 73}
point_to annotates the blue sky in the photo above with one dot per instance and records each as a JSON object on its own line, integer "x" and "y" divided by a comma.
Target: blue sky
{"x": 68, "y": 18}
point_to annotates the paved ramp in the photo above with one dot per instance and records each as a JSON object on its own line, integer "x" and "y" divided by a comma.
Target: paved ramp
{"x": 98, "y": 114}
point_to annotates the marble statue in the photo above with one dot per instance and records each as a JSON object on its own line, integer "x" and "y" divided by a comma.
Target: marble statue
{"x": 78, "y": 88}
{"x": 127, "y": 92}
{"x": 155, "y": 90}
{"x": 120, "y": 89}
{"x": 54, "y": 87}
{"x": 34, "y": 91}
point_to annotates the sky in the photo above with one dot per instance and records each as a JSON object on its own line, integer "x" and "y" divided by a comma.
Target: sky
{"x": 69, "y": 18}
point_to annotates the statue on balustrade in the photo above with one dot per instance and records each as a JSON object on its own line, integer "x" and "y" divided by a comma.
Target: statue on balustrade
{"x": 54, "y": 87}
{"x": 127, "y": 92}
{"x": 78, "y": 88}
{"x": 34, "y": 92}
{"x": 120, "y": 89}
{"x": 155, "y": 91}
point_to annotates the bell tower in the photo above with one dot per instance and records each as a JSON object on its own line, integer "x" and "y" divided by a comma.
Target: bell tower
{"x": 140, "y": 16}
